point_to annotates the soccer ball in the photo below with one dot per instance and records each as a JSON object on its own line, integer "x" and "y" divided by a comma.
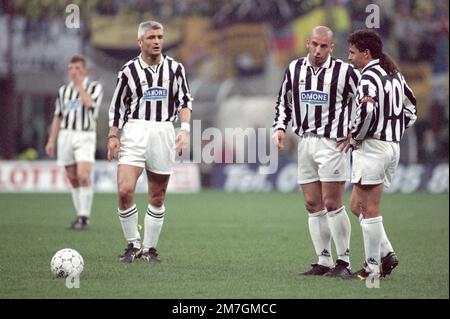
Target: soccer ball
{"x": 67, "y": 262}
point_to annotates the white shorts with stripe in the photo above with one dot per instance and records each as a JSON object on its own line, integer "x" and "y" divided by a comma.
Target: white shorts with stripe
{"x": 75, "y": 146}
{"x": 374, "y": 162}
{"x": 320, "y": 160}
{"x": 148, "y": 144}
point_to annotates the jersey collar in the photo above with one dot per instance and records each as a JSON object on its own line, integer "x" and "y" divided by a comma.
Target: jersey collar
{"x": 326, "y": 64}
{"x": 144, "y": 65}
{"x": 370, "y": 64}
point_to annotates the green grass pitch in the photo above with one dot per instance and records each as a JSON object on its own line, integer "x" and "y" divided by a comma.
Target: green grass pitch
{"x": 215, "y": 245}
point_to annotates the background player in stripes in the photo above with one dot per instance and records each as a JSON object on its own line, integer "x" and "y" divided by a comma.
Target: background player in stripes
{"x": 317, "y": 93}
{"x": 74, "y": 129}
{"x": 386, "y": 107}
{"x": 151, "y": 92}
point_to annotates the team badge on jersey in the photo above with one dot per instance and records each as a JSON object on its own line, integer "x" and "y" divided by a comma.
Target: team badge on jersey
{"x": 314, "y": 97}
{"x": 155, "y": 93}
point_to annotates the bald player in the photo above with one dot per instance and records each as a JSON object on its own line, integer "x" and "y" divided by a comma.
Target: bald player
{"x": 317, "y": 95}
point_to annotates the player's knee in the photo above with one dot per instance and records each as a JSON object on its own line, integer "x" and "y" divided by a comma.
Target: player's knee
{"x": 84, "y": 179}
{"x": 331, "y": 205}
{"x": 73, "y": 180}
{"x": 312, "y": 206}
{"x": 157, "y": 200}
{"x": 125, "y": 192}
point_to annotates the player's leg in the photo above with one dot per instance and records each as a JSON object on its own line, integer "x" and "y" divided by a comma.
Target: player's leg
{"x": 332, "y": 171}
{"x": 83, "y": 146}
{"x": 389, "y": 259}
{"x": 85, "y": 194}
{"x": 340, "y": 227}
{"x": 318, "y": 228}
{"x": 66, "y": 158}
{"x": 159, "y": 166}
{"x": 366, "y": 174}
{"x": 368, "y": 199}
{"x": 71, "y": 174}
{"x": 127, "y": 176}
{"x": 154, "y": 218}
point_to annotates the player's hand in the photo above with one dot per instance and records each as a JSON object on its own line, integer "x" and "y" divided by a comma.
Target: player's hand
{"x": 344, "y": 145}
{"x": 278, "y": 139}
{"x": 113, "y": 148}
{"x": 181, "y": 141}
{"x": 354, "y": 144}
{"x": 50, "y": 149}
{"x": 78, "y": 80}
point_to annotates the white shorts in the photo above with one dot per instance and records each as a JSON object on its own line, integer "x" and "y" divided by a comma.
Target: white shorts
{"x": 374, "y": 162}
{"x": 75, "y": 146}
{"x": 148, "y": 144}
{"x": 320, "y": 160}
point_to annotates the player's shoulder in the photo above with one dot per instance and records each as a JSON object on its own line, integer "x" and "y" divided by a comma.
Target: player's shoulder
{"x": 126, "y": 66}
{"x": 296, "y": 62}
{"x": 344, "y": 64}
{"x": 63, "y": 87}
{"x": 95, "y": 83}
{"x": 173, "y": 62}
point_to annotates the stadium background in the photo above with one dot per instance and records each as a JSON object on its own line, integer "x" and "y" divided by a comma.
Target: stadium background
{"x": 235, "y": 53}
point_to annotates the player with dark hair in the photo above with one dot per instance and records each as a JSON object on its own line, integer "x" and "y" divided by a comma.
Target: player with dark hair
{"x": 386, "y": 108}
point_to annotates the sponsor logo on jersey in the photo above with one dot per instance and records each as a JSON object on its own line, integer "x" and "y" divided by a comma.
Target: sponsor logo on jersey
{"x": 73, "y": 105}
{"x": 314, "y": 97}
{"x": 155, "y": 93}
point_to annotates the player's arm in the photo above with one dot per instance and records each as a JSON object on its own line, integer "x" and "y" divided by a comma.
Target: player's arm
{"x": 352, "y": 79}
{"x": 54, "y": 130}
{"x": 56, "y": 124}
{"x": 182, "y": 138}
{"x": 365, "y": 111}
{"x": 87, "y": 100}
{"x": 283, "y": 111}
{"x": 184, "y": 103}
{"x": 116, "y": 115}
{"x": 409, "y": 103}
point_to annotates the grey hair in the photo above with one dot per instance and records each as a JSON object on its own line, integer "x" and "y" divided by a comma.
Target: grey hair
{"x": 322, "y": 31}
{"x": 148, "y": 25}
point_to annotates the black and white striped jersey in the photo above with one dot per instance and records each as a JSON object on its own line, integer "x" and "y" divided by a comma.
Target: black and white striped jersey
{"x": 317, "y": 100}
{"x": 69, "y": 106}
{"x": 386, "y": 105}
{"x": 151, "y": 93}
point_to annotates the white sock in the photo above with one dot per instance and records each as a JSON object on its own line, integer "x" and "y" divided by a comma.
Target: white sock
{"x": 386, "y": 246}
{"x": 321, "y": 237}
{"x": 129, "y": 221}
{"x": 340, "y": 231}
{"x": 76, "y": 199}
{"x": 85, "y": 201}
{"x": 372, "y": 233}
{"x": 154, "y": 219}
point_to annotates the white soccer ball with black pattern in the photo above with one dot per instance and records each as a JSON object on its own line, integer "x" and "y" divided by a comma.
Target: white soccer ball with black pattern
{"x": 67, "y": 262}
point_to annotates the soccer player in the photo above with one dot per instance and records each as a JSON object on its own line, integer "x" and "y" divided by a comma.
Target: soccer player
{"x": 386, "y": 107}
{"x": 74, "y": 130}
{"x": 317, "y": 94}
{"x": 151, "y": 92}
